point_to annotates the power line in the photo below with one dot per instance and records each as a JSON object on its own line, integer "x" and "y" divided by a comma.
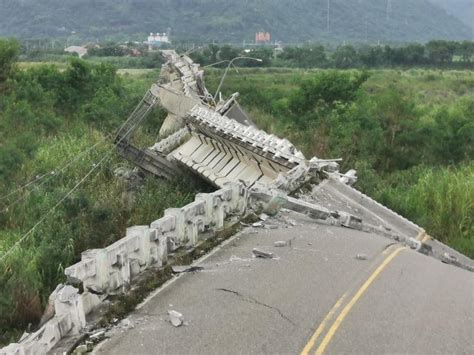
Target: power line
{"x": 50, "y": 175}
{"x": 27, "y": 234}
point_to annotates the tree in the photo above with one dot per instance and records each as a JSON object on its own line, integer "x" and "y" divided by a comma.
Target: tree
{"x": 372, "y": 56}
{"x": 305, "y": 57}
{"x": 228, "y": 53}
{"x": 345, "y": 57}
{"x": 440, "y": 52}
{"x": 263, "y": 53}
{"x": 466, "y": 50}
{"x": 396, "y": 114}
{"x": 9, "y": 50}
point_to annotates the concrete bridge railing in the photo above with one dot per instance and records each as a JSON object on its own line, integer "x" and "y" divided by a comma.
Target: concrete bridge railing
{"x": 111, "y": 270}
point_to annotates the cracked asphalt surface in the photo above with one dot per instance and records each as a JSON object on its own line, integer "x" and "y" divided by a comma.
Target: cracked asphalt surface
{"x": 240, "y": 304}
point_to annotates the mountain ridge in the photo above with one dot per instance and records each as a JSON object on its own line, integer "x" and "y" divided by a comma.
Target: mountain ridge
{"x": 462, "y": 9}
{"x": 230, "y": 21}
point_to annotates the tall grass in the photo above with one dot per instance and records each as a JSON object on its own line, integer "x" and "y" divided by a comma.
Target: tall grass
{"x": 441, "y": 200}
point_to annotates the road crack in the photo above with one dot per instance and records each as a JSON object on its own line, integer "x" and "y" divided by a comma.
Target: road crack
{"x": 255, "y": 301}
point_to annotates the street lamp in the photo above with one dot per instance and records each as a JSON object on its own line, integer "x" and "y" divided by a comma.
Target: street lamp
{"x": 227, "y": 69}
{"x": 216, "y": 63}
{"x": 220, "y": 62}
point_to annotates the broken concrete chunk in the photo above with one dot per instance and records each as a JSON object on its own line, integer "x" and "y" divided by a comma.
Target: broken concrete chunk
{"x": 264, "y": 217}
{"x": 176, "y": 318}
{"x": 274, "y": 206}
{"x": 448, "y": 258}
{"x": 413, "y": 243}
{"x": 262, "y": 254}
{"x": 280, "y": 244}
{"x": 270, "y": 226}
{"x": 361, "y": 256}
{"x": 349, "y": 221}
{"x": 179, "y": 269}
{"x": 67, "y": 294}
{"x": 126, "y": 324}
{"x": 81, "y": 349}
{"x": 258, "y": 225}
{"x": 98, "y": 335}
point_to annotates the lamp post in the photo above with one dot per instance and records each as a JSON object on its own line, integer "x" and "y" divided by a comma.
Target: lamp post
{"x": 227, "y": 69}
{"x": 216, "y": 63}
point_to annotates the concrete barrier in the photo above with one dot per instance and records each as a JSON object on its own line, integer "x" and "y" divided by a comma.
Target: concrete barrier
{"x": 111, "y": 270}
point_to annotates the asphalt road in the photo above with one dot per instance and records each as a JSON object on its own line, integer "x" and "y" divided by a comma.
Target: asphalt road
{"x": 396, "y": 301}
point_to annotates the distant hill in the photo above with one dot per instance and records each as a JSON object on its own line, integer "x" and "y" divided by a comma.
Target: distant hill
{"x": 462, "y": 9}
{"x": 233, "y": 20}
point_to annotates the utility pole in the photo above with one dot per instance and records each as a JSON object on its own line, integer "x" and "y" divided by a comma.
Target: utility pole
{"x": 328, "y": 16}
{"x": 366, "y": 30}
{"x": 389, "y": 9}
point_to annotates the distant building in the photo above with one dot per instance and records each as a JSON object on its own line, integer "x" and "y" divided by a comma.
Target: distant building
{"x": 80, "y": 51}
{"x": 262, "y": 37}
{"x": 157, "y": 40}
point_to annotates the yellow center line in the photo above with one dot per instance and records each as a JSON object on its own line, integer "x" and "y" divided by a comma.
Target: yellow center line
{"x": 330, "y": 334}
{"x": 420, "y": 235}
{"x": 425, "y": 239}
{"x": 321, "y": 327}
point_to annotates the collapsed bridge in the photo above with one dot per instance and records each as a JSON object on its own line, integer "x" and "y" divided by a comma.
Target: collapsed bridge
{"x": 217, "y": 141}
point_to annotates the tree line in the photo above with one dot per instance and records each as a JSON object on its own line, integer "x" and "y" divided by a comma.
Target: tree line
{"x": 434, "y": 54}
{"x": 439, "y": 53}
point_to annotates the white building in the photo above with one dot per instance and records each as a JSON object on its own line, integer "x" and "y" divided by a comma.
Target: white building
{"x": 156, "y": 40}
{"x": 80, "y": 51}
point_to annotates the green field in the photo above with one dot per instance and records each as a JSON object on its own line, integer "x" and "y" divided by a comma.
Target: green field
{"x": 409, "y": 134}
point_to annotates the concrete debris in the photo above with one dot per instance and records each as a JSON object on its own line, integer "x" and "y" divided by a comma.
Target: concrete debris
{"x": 258, "y": 225}
{"x": 176, "y": 318}
{"x": 349, "y": 221}
{"x": 361, "y": 257}
{"x": 98, "y": 335}
{"x": 426, "y": 249}
{"x": 126, "y": 324}
{"x": 349, "y": 178}
{"x": 291, "y": 222}
{"x": 270, "y": 226}
{"x": 264, "y": 217}
{"x": 179, "y": 269}
{"x": 67, "y": 294}
{"x": 81, "y": 349}
{"x": 413, "y": 243}
{"x": 275, "y": 205}
{"x": 262, "y": 254}
{"x": 449, "y": 259}
{"x": 280, "y": 244}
